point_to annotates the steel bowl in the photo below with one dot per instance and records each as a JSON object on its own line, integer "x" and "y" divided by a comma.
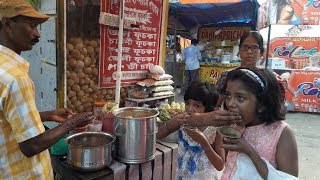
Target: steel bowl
{"x": 90, "y": 151}
{"x": 229, "y": 132}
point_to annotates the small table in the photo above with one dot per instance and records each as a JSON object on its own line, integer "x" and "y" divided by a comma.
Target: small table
{"x": 163, "y": 166}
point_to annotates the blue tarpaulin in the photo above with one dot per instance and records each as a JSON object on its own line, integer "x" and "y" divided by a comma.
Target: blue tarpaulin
{"x": 193, "y": 15}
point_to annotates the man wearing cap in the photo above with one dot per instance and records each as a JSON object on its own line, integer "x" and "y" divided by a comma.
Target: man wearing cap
{"x": 23, "y": 139}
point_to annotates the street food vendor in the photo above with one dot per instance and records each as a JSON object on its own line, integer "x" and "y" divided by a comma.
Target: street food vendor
{"x": 23, "y": 139}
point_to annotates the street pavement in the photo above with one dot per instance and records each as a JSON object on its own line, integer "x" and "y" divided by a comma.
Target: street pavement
{"x": 306, "y": 127}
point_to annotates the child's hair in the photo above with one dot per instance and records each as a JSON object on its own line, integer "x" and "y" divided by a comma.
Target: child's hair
{"x": 265, "y": 86}
{"x": 205, "y": 92}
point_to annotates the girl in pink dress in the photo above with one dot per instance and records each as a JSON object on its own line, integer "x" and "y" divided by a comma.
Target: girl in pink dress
{"x": 267, "y": 148}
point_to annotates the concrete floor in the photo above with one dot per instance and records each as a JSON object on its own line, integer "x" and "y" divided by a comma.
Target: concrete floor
{"x": 307, "y": 130}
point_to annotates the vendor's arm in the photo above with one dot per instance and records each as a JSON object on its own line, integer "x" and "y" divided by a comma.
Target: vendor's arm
{"x": 19, "y": 110}
{"x": 287, "y": 153}
{"x": 215, "y": 157}
{"x": 172, "y": 125}
{"x": 58, "y": 115}
{"x": 46, "y": 139}
{"x": 216, "y": 118}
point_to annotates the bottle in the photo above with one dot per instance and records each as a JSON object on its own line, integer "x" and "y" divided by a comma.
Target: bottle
{"x": 295, "y": 103}
{"x": 97, "y": 109}
{"x": 107, "y": 119}
{"x": 310, "y": 108}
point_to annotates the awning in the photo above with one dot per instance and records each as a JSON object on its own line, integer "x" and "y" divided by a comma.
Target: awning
{"x": 195, "y": 15}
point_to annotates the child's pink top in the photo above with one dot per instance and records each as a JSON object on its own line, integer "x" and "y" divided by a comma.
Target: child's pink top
{"x": 263, "y": 138}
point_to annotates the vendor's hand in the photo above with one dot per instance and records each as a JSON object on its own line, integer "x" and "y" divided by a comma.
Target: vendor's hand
{"x": 80, "y": 120}
{"x": 196, "y": 135}
{"x": 216, "y": 118}
{"x": 176, "y": 121}
{"x": 58, "y": 115}
{"x": 239, "y": 145}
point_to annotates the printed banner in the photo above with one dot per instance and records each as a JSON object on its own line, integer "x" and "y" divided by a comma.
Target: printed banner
{"x": 295, "y": 50}
{"x": 141, "y": 43}
{"x": 211, "y": 73}
{"x": 303, "y": 90}
{"x": 263, "y": 15}
{"x": 295, "y": 12}
{"x": 221, "y": 33}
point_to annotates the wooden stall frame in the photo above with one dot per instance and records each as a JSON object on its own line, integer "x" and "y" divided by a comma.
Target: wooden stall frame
{"x": 61, "y": 54}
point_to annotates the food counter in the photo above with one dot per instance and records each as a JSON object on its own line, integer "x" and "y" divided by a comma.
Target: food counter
{"x": 162, "y": 167}
{"x": 211, "y": 71}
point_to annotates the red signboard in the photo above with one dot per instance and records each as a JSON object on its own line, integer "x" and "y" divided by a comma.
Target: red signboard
{"x": 303, "y": 90}
{"x": 141, "y": 43}
{"x": 295, "y": 50}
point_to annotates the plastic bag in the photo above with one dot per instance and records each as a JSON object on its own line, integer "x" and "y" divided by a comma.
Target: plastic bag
{"x": 247, "y": 170}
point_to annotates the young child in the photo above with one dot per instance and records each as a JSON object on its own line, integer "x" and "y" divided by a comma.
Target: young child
{"x": 267, "y": 148}
{"x": 199, "y": 153}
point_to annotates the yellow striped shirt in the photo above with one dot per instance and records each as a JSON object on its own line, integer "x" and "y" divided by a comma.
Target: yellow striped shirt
{"x": 19, "y": 121}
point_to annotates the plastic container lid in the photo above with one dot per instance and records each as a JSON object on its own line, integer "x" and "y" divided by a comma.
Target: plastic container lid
{"x": 99, "y": 104}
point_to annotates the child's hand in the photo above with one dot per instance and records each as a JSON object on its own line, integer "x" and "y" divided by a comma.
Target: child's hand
{"x": 239, "y": 145}
{"x": 178, "y": 120}
{"x": 196, "y": 135}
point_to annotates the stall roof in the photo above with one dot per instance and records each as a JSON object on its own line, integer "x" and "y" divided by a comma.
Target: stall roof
{"x": 193, "y": 15}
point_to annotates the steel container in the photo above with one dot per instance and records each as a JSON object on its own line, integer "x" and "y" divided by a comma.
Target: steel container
{"x": 135, "y": 137}
{"x": 90, "y": 151}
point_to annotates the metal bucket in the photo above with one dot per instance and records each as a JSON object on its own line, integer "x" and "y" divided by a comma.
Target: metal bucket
{"x": 135, "y": 136}
{"x": 90, "y": 151}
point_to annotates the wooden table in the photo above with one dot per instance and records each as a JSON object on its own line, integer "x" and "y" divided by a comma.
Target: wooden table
{"x": 162, "y": 167}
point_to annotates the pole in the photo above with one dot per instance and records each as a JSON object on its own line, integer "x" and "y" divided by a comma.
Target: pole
{"x": 268, "y": 44}
{"x": 119, "y": 60}
{"x": 175, "y": 56}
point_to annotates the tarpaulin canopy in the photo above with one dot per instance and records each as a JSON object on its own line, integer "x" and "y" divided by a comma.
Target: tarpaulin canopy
{"x": 193, "y": 15}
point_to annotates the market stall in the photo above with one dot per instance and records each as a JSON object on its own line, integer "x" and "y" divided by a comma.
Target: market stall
{"x": 220, "y": 48}
{"x": 218, "y": 27}
{"x": 293, "y": 51}
{"x": 88, "y": 52}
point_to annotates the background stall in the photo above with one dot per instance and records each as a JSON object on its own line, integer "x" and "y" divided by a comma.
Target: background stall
{"x": 218, "y": 26}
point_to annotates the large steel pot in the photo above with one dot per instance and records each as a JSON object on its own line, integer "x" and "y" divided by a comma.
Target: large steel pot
{"x": 135, "y": 137}
{"x": 90, "y": 151}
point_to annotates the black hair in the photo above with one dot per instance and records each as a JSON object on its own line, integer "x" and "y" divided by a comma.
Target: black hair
{"x": 257, "y": 36}
{"x": 269, "y": 97}
{"x": 0, "y": 25}
{"x": 194, "y": 41}
{"x": 205, "y": 92}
